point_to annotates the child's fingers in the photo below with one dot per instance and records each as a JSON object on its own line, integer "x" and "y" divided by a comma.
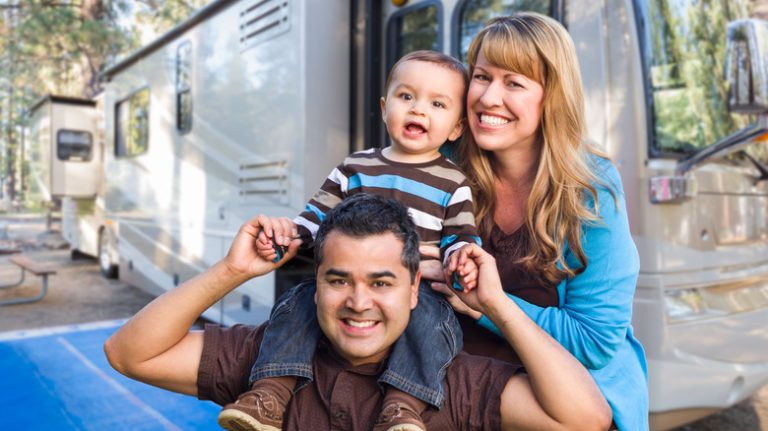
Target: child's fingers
{"x": 469, "y": 281}
{"x": 451, "y": 264}
{"x": 268, "y": 256}
{"x": 462, "y": 257}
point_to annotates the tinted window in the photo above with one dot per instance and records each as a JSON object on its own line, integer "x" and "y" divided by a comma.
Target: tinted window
{"x": 184, "y": 87}
{"x": 74, "y": 145}
{"x": 684, "y": 55}
{"x": 132, "y": 124}
{"x": 412, "y": 30}
{"x": 473, "y": 14}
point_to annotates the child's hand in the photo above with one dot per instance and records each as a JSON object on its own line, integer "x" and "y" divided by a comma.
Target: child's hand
{"x": 467, "y": 273}
{"x": 461, "y": 271}
{"x": 245, "y": 258}
{"x": 275, "y": 236}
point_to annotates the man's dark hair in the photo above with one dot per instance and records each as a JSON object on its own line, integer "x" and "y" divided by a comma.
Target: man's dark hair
{"x": 363, "y": 215}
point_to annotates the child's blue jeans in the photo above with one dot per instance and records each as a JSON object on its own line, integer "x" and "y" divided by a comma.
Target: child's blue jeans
{"x": 416, "y": 364}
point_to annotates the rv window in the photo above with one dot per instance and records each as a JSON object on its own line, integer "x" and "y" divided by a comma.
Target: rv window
{"x": 132, "y": 124}
{"x": 184, "y": 87}
{"x": 73, "y": 145}
{"x": 474, "y": 13}
{"x": 684, "y": 50}
{"x": 413, "y": 29}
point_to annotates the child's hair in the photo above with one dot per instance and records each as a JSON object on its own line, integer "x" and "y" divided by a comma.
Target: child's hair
{"x": 434, "y": 57}
{"x": 540, "y": 48}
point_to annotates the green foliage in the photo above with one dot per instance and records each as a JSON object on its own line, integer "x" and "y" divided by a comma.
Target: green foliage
{"x": 60, "y": 47}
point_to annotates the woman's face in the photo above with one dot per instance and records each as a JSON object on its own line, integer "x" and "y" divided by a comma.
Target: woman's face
{"x": 503, "y": 108}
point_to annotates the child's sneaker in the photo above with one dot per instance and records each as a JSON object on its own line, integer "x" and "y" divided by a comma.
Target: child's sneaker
{"x": 399, "y": 417}
{"x": 260, "y": 409}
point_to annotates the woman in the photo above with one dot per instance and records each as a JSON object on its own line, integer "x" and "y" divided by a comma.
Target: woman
{"x": 550, "y": 208}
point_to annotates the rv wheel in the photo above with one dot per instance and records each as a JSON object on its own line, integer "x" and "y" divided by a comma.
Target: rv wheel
{"x": 108, "y": 270}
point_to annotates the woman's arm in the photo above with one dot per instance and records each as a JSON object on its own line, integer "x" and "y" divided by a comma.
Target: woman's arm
{"x": 156, "y": 346}
{"x": 596, "y": 305}
{"x": 557, "y": 392}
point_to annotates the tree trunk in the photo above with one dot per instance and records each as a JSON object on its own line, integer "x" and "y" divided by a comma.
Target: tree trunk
{"x": 91, "y": 62}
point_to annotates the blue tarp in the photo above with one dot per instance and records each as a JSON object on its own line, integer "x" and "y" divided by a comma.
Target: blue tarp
{"x": 59, "y": 379}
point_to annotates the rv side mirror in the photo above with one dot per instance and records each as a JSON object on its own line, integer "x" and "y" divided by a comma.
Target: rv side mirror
{"x": 747, "y": 66}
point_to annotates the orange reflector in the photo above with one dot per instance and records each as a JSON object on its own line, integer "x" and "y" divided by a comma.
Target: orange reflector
{"x": 399, "y": 3}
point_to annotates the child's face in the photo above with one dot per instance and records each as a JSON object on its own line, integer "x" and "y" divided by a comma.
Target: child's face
{"x": 422, "y": 108}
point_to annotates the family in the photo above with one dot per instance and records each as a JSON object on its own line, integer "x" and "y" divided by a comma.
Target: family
{"x": 495, "y": 293}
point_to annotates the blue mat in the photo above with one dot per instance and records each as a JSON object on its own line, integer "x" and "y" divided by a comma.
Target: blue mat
{"x": 59, "y": 379}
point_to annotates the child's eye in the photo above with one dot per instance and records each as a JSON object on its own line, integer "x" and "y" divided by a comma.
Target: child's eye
{"x": 437, "y": 104}
{"x": 405, "y": 96}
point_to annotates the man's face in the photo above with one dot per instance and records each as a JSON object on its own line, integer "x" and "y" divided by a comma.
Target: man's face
{"x": 364, "y": 295}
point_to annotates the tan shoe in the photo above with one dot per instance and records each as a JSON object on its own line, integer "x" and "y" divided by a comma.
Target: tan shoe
{"x": 399, "y": 417}
{"x": 255, "y": 410}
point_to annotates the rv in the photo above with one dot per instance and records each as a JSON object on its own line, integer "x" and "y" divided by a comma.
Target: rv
{"x": 244, "y": 108}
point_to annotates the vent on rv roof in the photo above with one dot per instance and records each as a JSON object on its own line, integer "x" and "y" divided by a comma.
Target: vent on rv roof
{"x": 262, "y": 180}
{"x": 261, "y": 20}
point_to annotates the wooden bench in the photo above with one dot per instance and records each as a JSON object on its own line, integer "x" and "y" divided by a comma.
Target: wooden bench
{"x": 36, "y": 268}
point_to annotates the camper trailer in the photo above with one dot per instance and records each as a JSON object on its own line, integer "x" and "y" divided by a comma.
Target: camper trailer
{"x": 245, "y": 108}
{"x": 65, "y": 142}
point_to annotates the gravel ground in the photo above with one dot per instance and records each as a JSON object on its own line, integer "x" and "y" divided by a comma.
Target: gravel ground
{"x": 78, "y": 294}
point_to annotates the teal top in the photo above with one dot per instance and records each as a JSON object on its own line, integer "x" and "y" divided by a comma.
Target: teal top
{"x": 593, "y": 320}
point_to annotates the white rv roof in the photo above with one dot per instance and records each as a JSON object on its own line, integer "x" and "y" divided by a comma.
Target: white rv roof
{"x": 209, "y": 10}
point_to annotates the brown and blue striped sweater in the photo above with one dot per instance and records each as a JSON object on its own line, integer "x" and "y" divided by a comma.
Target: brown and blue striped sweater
{"x": 436, "y": 193}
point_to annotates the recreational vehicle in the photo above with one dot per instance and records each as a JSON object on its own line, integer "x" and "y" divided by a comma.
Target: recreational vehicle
{"x": 245, "y": 108}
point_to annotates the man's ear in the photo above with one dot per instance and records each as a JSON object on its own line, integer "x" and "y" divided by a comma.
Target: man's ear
{"x": 457, "y": 131}
{"x": 415, "y": 290}
{"x": 383, "y": 105}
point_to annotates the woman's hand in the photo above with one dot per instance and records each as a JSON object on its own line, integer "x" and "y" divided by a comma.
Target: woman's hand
{"x": 489, "y": 292}
{"x": 458, "y": 305}
{"x": 432, "y": 270}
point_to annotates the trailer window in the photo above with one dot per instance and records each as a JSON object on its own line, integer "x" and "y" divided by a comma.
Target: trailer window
{"x": 684, "y": 55}
{"x": 414, "y": 28}
{"x": 184, "y": 87}
{"x": 473, "y": 14}
{"x": 74, "y": 145}
{"x": 132, "y": 124}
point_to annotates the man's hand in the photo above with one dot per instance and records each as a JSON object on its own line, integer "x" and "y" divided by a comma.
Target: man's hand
{"x": 248, "y": 258}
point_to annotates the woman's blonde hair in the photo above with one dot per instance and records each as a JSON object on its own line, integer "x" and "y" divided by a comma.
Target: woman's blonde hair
{"x": 540, "y": 48}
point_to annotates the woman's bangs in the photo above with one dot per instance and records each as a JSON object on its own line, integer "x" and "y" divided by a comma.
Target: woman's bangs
{"x": 511, "y": 51}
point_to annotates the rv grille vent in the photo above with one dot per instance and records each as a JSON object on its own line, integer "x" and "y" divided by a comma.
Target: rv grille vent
{"x": 261, "y": 20}
{"x": 263, "y": 180}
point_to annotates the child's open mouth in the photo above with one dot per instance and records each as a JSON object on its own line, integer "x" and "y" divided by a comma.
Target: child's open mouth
{"x": 415, "y": 129}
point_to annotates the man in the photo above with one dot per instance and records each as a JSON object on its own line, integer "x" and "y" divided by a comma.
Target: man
{"x": 367, "y": 282}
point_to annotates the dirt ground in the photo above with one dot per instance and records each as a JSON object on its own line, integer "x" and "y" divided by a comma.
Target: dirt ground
{"x": 79, "y": 294}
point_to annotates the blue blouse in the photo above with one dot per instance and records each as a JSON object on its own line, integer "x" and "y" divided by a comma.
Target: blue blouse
{"x": 593, "y": 320}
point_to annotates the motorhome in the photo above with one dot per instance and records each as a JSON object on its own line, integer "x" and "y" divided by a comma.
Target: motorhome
{"x": 244, "y": 108}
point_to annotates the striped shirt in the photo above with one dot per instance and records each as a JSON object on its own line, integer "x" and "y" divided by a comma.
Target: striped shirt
{"x": 436, "y": 193}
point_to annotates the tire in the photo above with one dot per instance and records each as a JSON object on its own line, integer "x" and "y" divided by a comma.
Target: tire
{"x": 108, "y": 269}
{"x": 79, "y": 255}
